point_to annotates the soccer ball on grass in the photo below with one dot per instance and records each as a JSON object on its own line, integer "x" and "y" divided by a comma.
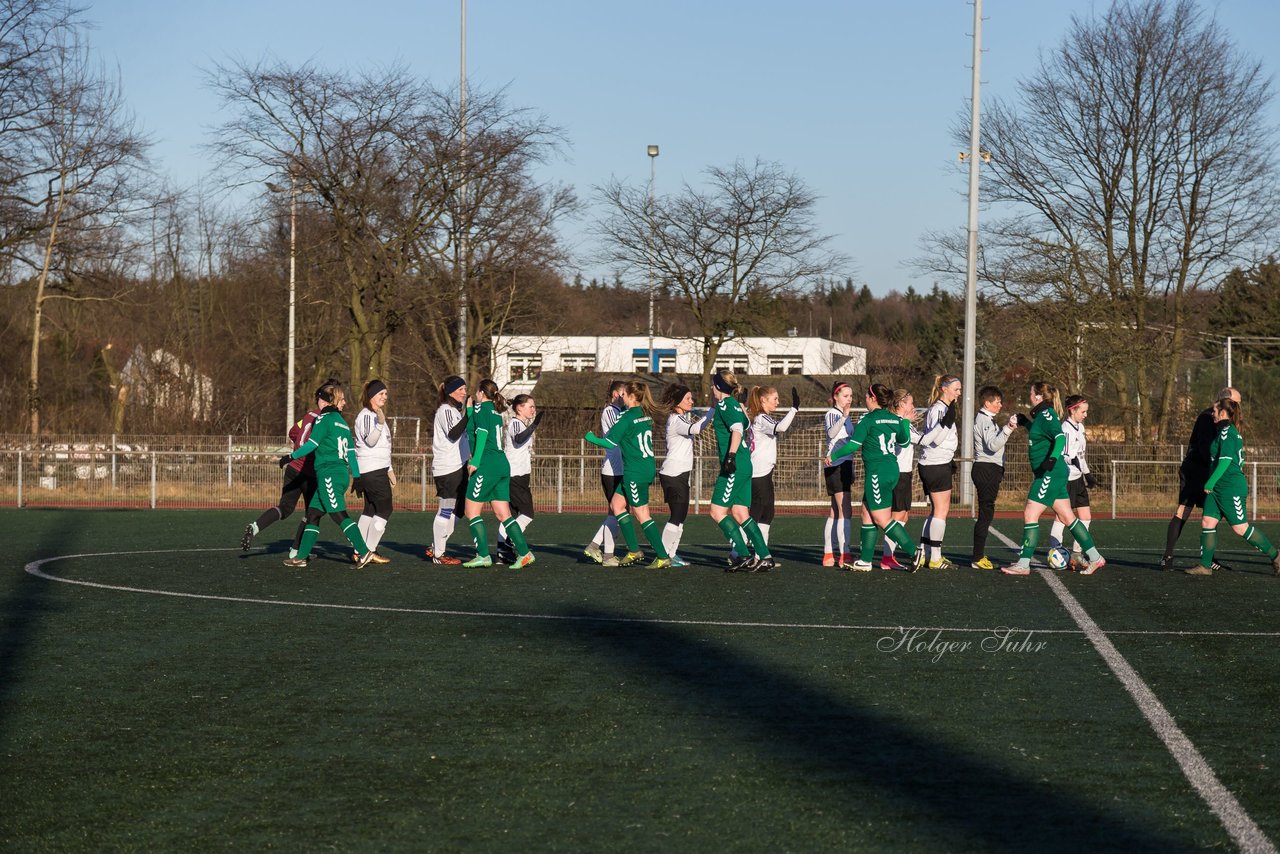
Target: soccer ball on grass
{"x": 1059, "y": 558}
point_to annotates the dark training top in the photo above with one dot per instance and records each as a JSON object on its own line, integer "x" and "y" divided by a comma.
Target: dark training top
{"x": 1202, "y": 436}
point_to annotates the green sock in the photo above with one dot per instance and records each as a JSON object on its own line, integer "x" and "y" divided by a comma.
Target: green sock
{"x": 1259, "y": 541}
{"x": 480, "y": 535}
{"x": 654, "y": 536}
{"x": 516, "y": 536}
{"x": 1208, "y": 544}
{"x": 733, "y": 533}
{"x": 1030, "y": 537}
{"x": 898, "y": 533}
{"x": 868, "y": 542}
{"x": 352, "y": 532}
{"x": 309, "y": 535}
{"x": 1084, "y": 539}
{"x": 628, "y": 529}
{"x": 753, "y": 533}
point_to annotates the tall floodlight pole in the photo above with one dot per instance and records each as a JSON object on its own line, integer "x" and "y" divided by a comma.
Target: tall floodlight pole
{"x": 293, "y": 278}
{"x": 653, "y": 160}
{"x": 971, "y": 278}
{"x": 461, "y": 246}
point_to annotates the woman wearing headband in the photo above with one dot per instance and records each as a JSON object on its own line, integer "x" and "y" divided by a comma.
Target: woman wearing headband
{"x": 731, "y": 495}
{"x": 377, "y": 477}
{"x": 837, "y": 474}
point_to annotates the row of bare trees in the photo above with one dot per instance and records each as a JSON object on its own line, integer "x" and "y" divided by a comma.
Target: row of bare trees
{"x": 1128, "y": 175}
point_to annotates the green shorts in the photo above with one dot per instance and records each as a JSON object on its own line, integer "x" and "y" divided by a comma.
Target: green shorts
{"x": 635, "y": 491}
{"x": 331, "y": 488}
{"x": 733, "y": 490}
{"x": 877, "y": 485}
{"x": 1226, "y": 504}
{"x": 488, "y": 485}
{"x": 1048, "y": 488}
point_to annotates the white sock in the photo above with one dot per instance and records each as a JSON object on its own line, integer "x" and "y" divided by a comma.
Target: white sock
{"x": 764, "y": 531}
{"x": 889, "y": 547}
{"x": 523, "y": 521}
{"x": 938, "y": 530}
{"x": 671, "y": 537}
{"x": 1055, "y": 533}
{"x": 376, "y": 529}
{"x": 442, "y": 527}
{"x": 363, "y": 526}
{"x": 828, "y": 533}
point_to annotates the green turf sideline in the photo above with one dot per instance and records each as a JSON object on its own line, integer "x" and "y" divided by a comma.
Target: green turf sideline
{"x": 1238, "y": 824}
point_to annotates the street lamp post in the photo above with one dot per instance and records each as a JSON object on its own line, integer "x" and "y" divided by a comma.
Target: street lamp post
{"x": 293, "y": 276}
{"x": 653, "y": 160}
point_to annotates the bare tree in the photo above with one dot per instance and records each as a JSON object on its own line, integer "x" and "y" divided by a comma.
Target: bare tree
{"x": 1137, "y": 165}
{"x": 84, "y": 182}
{"x": 726, "y": 252}
{"x": 382, "y": 155}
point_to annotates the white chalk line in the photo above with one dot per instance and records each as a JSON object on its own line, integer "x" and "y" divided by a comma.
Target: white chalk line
{"x": 35, "y": 568}
{"x": 1239, "y": 825}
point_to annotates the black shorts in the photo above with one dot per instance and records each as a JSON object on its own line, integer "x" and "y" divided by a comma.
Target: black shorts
{"x": 610, "y": 483}
{"x": 1078, "y": 493}
{"x": 902, "y": 493}
{"x": 376, "y": 486}
{"x": 675, "y": 491}
{"x": 521, "y": 496}
{"x": 296, "y": 485}
{"x": 936, "y": 478}
{"x": 838, "y": 478}
{"x": 1191, "y": 487}
{"x": 453, "y": 485}
{"x": 762, "y": 499}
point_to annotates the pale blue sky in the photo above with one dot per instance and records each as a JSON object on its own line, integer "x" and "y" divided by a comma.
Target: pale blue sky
{"x": 857, "y": 97}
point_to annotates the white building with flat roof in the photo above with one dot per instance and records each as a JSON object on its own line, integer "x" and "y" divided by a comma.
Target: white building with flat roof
{"x": 518, "y": 360}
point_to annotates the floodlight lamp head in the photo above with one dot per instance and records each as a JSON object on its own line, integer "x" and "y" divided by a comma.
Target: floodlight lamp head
{"x": 653, "y": 151}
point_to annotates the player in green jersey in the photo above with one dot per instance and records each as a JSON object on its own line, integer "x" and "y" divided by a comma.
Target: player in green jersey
{"x": 878, "y": 434}
{"x": 633, "y": 434}
{"x": 335, "y": 463}
{"x": 1227, "y": 491}
{"x": 1049, "y": 483}
{"x": 490, "y": 477}
{"x": 731, "y": 495}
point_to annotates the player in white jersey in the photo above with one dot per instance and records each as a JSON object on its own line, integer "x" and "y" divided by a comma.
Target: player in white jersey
{"x": 377, "y": 478}
{"x": 525, "y": 419}
{"x": 683, "y": 425}
{"x": 937, "y": 464}
{"x": 904, "y": 406}
{"x": 600, "y": 549}
{"x": 838, "y": 478}
{"x": 1079, "y": 479}
{"x": 450, "y": 451}
{"x": 762, "y": 403}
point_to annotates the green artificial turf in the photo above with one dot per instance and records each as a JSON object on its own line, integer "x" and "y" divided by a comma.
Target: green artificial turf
{"x": 573, "y": 707}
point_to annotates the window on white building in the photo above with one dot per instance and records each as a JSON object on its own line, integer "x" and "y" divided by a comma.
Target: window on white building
{"x": 780, "y": 364}
{"x": 737, "y": 364}
{"x": 578, "y": 362}
{"x": 666, "y": 364}
{"x": 525, "y": 367}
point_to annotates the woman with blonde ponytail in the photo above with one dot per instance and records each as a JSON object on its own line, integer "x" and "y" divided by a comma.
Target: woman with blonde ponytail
{"x": 937, "y": 464}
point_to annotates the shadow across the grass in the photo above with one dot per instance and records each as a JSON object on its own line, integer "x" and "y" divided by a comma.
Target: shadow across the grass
{"x": 26, "y": 604}
{"x": 853, "y": 749}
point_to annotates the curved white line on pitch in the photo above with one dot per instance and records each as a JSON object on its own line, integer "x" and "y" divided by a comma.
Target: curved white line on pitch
{"x": 34, "y": 568}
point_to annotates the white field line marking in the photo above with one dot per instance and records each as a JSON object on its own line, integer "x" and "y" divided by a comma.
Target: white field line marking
{"x": 1242, "y": 829}
{"x": 34, "y": 568}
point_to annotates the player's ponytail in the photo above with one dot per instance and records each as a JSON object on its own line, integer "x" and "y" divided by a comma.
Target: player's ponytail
{"x": 328, "y": 391}
{"x": 490, "y": 390}
{"x": 644, "y": 398}
{"x": 1050, "y": 393}
{"x": 899, "y": 396}
{"x": 940, "y": 382}
{"x": 881, "y": 394}
{"x": 724, "y": 381}
{"x": 1232, "y": 409}
{"x": 755, "y": 397}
